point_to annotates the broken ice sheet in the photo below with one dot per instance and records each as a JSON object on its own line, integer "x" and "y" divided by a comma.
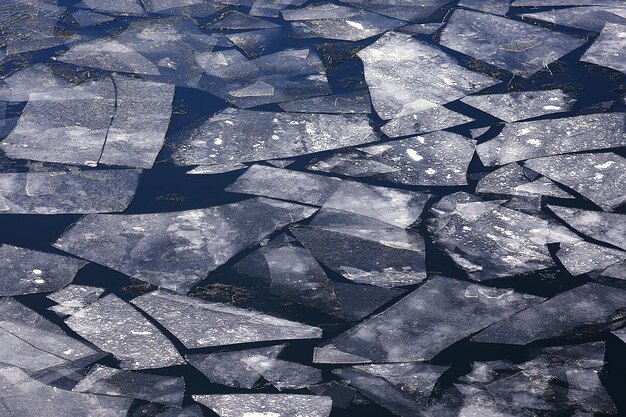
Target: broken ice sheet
{"x": 117, "y": 327}
{"x": 197, "y": 323}
{"x": 359, "y": 301}
{"x": 350, "y": 102}
{"x": 584, "y": 257}
{"x": 161, "y": 389}
{"x": 589, "y": 18}
{"x": 400, "y": 70}
{"x": 26, "y": 271}
{"x": 244, "y": 136}
{"x": 236, "y": 20}
{"x": 22, "y": 396}
{"x": 272, "y": 8}
{"x": 33, "y": 343}
{"x": 116, "y": 7}
{"x": 608, "y": 48}
{"x": 606, "y": 227}
{"x": 520, "y": 48}
{"x": 408, "y": 10}
{"x": 74, "y": 297}
{"x": 419, "y": 326}
{"x": 363, "y": 249}
{"x": 255, "y": 42}
{"x": 352, "y": 163}
{"x": 521, "y": 105}
{"x": 532, "y": 139}
{"x": 549, "y": 3}
{"x": 422, "y": 116}
{"x": 86, "y": 18}
{"x": 176, "y": 250}
{"x": 499, "y": 7}
{"x": 67, "y": 192}
{"x": 588, "y": 308}
{"x": 36, "y": 79}
{"x": 511, "y": 179}
{"x": 284, "y": 374}
{"x": 600, "y": 177}
{"x": 403, "y": 388}
{"x": 230, "y": 368}
{"x": 543, "y": 186}
{"x": 266, "y": 405}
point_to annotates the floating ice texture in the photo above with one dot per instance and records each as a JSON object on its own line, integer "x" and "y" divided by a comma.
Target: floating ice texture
{"x": 176, "y": 250}
{"x": 514, "y": 46}
{"x": 266, "y": 405}
{"x": 608, "y": 49}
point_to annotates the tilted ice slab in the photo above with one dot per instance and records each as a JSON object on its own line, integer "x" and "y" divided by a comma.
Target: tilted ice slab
{"x": 67, "y": 192}
{"x": 359, "y": 301}
{"x": 266, "y": 405}
{"x": 583, "y": 257}
{"x": 197, "y": 323}
{"x": 356, "y": 102}
{"x": 588, "y": 308}
{"x": 512, "y": 107}
{"x": 86, "y": 18}
{"x": 514, "y": 46}
{"x": 117, "y": 327}
{"x": 425, "y": 322}
{"x": 283, "y": 374}
{"x": 532, "y": 139}
{"x": 499, "y": 7}
{"x": 245, "y": 136}
{"x": 176, "y": 250}
{"x": 234, "y": 20}
{"x": 119, "y": 7}
{"x": 26, "y": 271}
{"x": 72, "y": 298}
{"x": 272, "y": 8}
{"x": 550, "y": 3}
{"x": 605, "y": 227}
{"x": 608, "y": 48}
{"x": 18, "y": 86}
{"x": 400, "y": 70}
{"x": 589, "y": 18}
{"x": 408, "y": 10}
{"x": 600, "y": 177}
{"x": 511, "y": 179}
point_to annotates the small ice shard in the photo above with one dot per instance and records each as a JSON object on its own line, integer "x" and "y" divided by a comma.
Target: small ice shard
{"x": 605, "y": 227}
{"x": 608, "y": 48}
{"x": 512, "y": 107}
{"x": 503, "y": 180}
{"x": 422, "y": 116}
{"x": 216, "y": 169}
{"x": 285, "y": 184}
{"x": 197, "y": 323}
{"x": 587, "y": 308}
{"x": 532, "y": 139}
{"x": 67, "y": 192}
{"x": 588, "y": 18}
{"x": 36, "y": 79}
{"x": 543, "y": 186}
{"x": 352, "y": 163}
{"x": 266, "y": 405}
{"x": 160, "y": 389}
{"x": 408, "y": 10}
{"x": 245, "y": 136}
{"x": 499, "y": 7}
{"x": 421, "y": 28}
{"x": 488, "y": 240}
{"x": 357, "y": 102}
{"x": 117, "y": 327}
{"x": 403, "y": 388}
{"x": 359, "y": 301}
{"x": 22, "y": 396}
{"x": 400, "y": 70}
{"x": 363, "y": 249}
{"x": 66, "y": 125}
{"x": 514, "y": 46}
{"x": 86, "y": 18}
{"x": 600, "y": 177}
{"x": 115, "y": 7}
{"x": 256, "y": 89}
{"x": 176, "y": 250}
{"x": 236, "y": 20}
{"x": 26, "y": 271}
{"x": 31, "y": 342}
{"x": 284, "y": 374}
{"x": 142, "y": 115}
{"x": 425, "y": 322}
{"x": 584, "y": 257}
{"x": 74, "y": 297}
{"x": 230, "y": 368}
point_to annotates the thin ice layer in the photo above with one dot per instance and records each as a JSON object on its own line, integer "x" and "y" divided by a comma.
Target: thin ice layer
{"x": 197, "y": 323}
{"x": 284, "y": 374}
{"x": 36, "y": 79}
{"x": 357, "y": 102}
{"x": 117, "y": 327}
{"x": 176, "y": 250}
{"x": 400, "y": 70}
{"x": 608, "y": 48}
{"x": 583, "y": 257}
{"x": 606, "y": 227}
{"x": 588, "y": 18}
{"x": 425, "y": 322}
{"x": 266, "y": 405}
{"x": 514, "y": 46}
{"x": 67, "y": 192}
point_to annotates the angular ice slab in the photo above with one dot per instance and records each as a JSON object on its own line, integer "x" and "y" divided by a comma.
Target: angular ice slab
{"x": 588, "y": 18}
{"x": 36, "y": 79}
{"x": 408, "y": 10}
{"x": 168, "y": 390}
{"x": 26, "y": 271}
{"x": 600, "y": 177}
{"x": 588, "y": 308}
{"x": 584, "y": 257}
{"x": 230, "y": 368}
{"x": 521, "y": 105}
{"x": 425, "y": 322}
{"x": 514, "y": 46}
{"x": 359, "y": 301}
{"x": 116, "y": 7}
{"x": 32, "y": 343}
{"x": 245, "y": 136}
{"x": 197, "y": 323}
{"x": 22, "y": 396}
{"x": 176, "y": 250}
{"x": 67, "y": 192}
{"x": 400, "y": 70}
{"x": 351, "y": 102}
{"x": 511, "y": 179}
{"x": 422, "y": 116}
{"x": 532, "y": 139}
{"x": 608, "y": 48}
{"x": 606, "y": 227}
{"x": 266, "y": 405}
{"x": 117, "y": 327}
{"x": 73, "y": 298}
{"x": 284, "y": 374}
{"x": 499, "y": 7}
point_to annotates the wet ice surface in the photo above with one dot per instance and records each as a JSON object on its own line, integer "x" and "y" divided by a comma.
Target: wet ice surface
{"x": 289, "y": 208}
